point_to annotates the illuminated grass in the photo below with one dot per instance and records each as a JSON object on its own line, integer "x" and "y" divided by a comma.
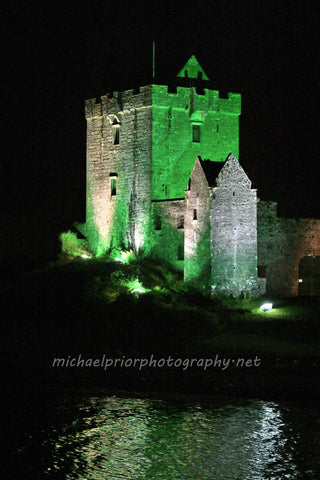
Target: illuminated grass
{"x": 135, "y": 286}
{"x": 100, "y": 305}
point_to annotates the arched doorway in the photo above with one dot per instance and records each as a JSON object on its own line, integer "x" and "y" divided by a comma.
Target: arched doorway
{"x": 309, "y": 276}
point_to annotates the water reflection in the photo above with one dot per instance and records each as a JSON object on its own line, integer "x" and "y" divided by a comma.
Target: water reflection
{"x": 115, "y": 438}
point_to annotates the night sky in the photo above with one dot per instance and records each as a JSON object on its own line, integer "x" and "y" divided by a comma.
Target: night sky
{"x": 59, "y": 54}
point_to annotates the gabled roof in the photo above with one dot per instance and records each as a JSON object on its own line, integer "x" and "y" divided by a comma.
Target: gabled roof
{"x": 211, "y": 170}
{"x": 193, "y": 69}
{"x": 233, "y": 173}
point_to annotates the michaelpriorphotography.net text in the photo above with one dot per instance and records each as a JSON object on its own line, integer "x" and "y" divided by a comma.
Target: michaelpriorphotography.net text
{"x": 152, "y": 362}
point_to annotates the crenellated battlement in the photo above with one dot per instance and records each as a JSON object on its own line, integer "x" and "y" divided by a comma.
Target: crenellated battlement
{"x": 208, "y": 100}
{"x": 159, "y": 95}
{"x": 115, "y": 102}
{"x": 92, "y": 108}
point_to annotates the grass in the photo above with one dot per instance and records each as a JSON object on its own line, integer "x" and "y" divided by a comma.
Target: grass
{"x": 91, "y": 307}
{"x": 152, "y": 297}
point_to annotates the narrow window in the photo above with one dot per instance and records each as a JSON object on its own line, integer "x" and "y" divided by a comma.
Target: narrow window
{"x": 186, "y": 73}
{"x": 189, "y": 184}
{"x": 181, "y": 252}
{"x": 157, "y": 222}
{"x": 199, "y": 75}
{"x": 113, "y": 186}
{"x": 181, "y": 222}
{"x": 196, "y": 133}
{"x": 195, "y": 214}
{"x": 116, "y": 135}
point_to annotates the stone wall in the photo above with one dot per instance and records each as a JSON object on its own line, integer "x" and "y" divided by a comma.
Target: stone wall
{"x": 233, "y": 232}
{"x": 96, "y": 226}
{"x": 140, "y": 146}
{"x": 168, "y": 231}
{"x": 282, "y": 243}
{"x": 119, "y": 217}
{"x": 197, "y": 229}
{"x": 173, "y": 149}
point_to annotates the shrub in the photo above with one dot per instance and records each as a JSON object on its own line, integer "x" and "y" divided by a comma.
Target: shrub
{"x": 72, "y": 245}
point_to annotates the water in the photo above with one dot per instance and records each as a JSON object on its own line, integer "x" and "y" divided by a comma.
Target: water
{"x": 174, "y": 438}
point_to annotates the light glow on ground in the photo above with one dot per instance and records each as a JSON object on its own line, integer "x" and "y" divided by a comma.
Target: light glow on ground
{"x": 266, "y": 307}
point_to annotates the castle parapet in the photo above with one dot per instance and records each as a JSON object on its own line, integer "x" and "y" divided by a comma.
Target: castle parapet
{"x": 230, "y": 105}
{"x": 115, "y": 102}
{"x": 208, "y": 100}
{"x": 92, "y": 108}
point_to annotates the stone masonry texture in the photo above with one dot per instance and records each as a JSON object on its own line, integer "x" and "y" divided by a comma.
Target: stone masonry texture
{"x": 161, "y": 179}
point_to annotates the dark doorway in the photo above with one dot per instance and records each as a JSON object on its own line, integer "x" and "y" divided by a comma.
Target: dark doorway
{"x": 309, "y": 276}
{"x": 181, "y": 252}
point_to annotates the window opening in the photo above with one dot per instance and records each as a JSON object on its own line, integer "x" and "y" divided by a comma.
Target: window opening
{"x": 113, "y": 186}
{"x": 181, "y": 222}
{"x": 196, "y": 133}
{"x": 157, "y": 222}
{"x": 116, "y": 135}
{"x": 195, "y": 214}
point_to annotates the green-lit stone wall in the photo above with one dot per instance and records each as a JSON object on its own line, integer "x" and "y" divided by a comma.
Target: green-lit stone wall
{"x": 136, "y": 178}
{"x": 192, "y": 69}
{"x": 173, "y": 149}
{"x": 152, "y": 157}
{"x": 96, "y": 228}
{"x": 197, "y": 230}
{"x": 121, "y": 218}
{"x": 168, "y": 231}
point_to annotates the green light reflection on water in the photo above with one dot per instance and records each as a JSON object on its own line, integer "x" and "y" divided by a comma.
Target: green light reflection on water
{"x": 148, "y": 439}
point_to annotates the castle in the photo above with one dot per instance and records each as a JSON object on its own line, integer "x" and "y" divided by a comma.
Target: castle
{"x": 163, "y": 175}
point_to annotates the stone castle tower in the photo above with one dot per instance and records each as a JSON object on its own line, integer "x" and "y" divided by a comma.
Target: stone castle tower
{"x": 160, "y": 178}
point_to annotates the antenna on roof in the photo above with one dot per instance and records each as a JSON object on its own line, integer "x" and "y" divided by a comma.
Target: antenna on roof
{"x": 153, "y": 59}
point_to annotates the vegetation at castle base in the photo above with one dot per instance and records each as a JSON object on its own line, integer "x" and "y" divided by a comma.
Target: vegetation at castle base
{"x": 143, "y": 307}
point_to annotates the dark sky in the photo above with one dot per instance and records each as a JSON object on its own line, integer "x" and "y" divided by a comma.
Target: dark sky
{"x": 58, "y": 54}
